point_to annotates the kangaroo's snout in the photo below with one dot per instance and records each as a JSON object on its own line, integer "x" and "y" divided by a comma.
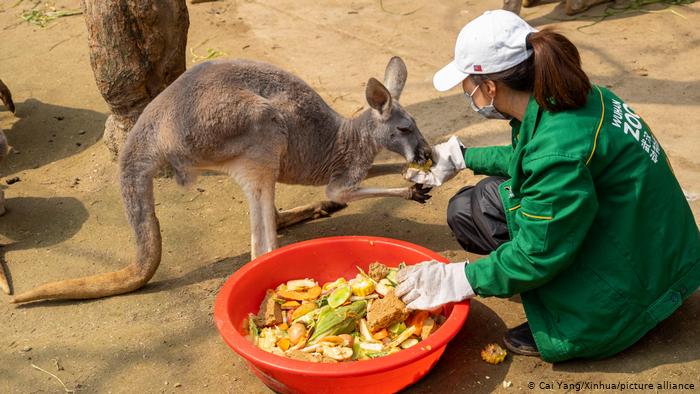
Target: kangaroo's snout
{"x": 423, "y": 153}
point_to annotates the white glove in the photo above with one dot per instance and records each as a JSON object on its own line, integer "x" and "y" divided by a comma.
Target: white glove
{"x": 427, "y": 285}
{"x": 448, "y": 160}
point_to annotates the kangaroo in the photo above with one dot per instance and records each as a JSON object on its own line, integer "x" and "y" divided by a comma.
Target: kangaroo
{"x": 571, "y": 7}
{"x": 260, "y": 125}
{"x": 6, "y": 98}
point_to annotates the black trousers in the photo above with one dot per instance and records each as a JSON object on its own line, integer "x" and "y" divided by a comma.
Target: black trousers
{"x": 476, "y": 216}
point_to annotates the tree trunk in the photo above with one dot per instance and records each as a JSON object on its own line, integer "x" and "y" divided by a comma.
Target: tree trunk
{"x": 137, "y": 48}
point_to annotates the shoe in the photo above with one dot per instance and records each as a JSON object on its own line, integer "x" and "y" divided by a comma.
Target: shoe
{"x": 519, "y": 340}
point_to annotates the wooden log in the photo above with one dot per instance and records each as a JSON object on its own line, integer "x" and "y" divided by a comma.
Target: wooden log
{"x": 137, "y": 48}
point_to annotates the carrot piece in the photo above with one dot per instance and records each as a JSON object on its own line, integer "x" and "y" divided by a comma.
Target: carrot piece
{"x": 310, "y": 294}
{"x": 381, "y": 334}
{"x": 283, "y": 326}
{"x": 418, "y": 319}
{"x": 284, "y": 344}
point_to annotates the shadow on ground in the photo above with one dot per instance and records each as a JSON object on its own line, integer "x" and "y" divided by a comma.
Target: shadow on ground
{"x": 32, "y": 222}
{"x": 603, "y": 12}
{"x": 44, "y": 133}
{"x": 460, "y": 368}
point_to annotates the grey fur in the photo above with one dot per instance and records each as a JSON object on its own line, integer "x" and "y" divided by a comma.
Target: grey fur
{"x": 260, "y": 125}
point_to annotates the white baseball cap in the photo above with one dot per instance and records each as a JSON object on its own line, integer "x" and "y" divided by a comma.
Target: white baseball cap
{"x": 493, "y": 42}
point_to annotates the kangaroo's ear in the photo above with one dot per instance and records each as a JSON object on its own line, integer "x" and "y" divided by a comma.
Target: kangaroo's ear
{"x": 395, "y": 77}
{"x": 378, "y": 97}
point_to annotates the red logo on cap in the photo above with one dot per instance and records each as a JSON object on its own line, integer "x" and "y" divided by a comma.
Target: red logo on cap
{"x": 477, "y": 67}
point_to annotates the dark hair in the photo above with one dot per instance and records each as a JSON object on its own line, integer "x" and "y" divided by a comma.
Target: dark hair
{"x": 553, "y": 73}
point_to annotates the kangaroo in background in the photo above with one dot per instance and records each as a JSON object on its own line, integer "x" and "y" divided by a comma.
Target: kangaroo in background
{"x": 571, "y": 7}
{"x": 6, "y": 98}
{"x": 260, "y": 125}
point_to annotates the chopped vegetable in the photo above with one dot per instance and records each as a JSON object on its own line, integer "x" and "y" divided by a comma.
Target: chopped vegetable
{"x": 301, "y": 284}
{"x": 284, "y": 344}
{"x": 253, "y": 328}
{"x": 371, "y": 346}
{"x": 338, "y": 353}
{"x": 381, "y": 334}
{"x": 338, "y": 321}
{"x": 378, "y": 271}
{"x": 403, "y": 336}
{"x": 364, "y": 331}
{"x": 290, "y": 304}
{"x": 339, "y": 296}
{"x": 310, "y": 294}
{"x": 408, "y": 343}
{"x": 302, "y": 310}
{"x": 397, "y": 328}
{"x": 417, "y": 319}
{"x": 296, "y": 332}
{"x": 369, "y": 297}
{"x": 428, "y": 328}
{"x": 343, "y": 320}
{"x": 391, "y": 276}
{"x": 362, "y": 286}
{"x": 332, "y": 285}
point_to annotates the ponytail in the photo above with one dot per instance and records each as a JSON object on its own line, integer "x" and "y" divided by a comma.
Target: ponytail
{"x": 552, "y": 73}
{"x": 559, "y": 81}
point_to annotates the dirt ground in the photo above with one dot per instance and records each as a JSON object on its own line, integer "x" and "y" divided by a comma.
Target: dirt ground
{"x": 65, "y": 217}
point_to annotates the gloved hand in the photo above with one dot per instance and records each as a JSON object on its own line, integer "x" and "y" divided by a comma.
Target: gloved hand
{"x": 448, "y": 160}
{"x": 427, "y": 285}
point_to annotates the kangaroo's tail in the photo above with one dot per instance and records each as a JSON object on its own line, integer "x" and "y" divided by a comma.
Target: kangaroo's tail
{"x": 137, "y": 171}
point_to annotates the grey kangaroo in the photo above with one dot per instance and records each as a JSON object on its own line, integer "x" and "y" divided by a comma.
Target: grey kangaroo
{"x": 571, "y": 7}
{"x": 6, "y": 98}
{"x": 260, "y": 125}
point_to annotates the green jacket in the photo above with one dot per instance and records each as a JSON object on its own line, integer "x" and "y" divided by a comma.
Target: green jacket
{"x": 603, "y": 243}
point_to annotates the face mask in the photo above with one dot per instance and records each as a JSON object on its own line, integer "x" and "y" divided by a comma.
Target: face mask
{"x": 489, "y": 111}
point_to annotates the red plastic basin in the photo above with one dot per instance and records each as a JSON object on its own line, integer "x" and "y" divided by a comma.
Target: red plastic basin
{"x": 327, "y": 259}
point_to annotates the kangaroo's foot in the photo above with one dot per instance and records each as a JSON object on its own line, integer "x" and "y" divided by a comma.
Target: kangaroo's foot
{"x": 303, "y": 213}
{"x": 512, "y": 5}
{"x": 572, "y": 7}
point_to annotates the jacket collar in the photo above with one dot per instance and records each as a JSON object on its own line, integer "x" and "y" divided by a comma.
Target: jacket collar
{"x": 529, "y": 123}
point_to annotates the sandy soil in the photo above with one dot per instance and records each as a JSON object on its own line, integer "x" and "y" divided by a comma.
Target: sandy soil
{"x": 65, "y": 217}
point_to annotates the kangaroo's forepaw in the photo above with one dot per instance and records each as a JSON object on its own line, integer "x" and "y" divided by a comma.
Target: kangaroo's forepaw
{"x": 419, "y": 193}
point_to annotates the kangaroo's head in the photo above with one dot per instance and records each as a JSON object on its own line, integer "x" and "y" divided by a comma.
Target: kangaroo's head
{"x": 393, "y": 127}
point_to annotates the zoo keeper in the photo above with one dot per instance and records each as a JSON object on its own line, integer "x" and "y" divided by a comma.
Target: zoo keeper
{"x": 581, "y": 214}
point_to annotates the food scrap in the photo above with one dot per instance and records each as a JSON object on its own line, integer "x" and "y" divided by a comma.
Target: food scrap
{"x": 425, "y": 167}
{"x": 344, "y": 320}
{"x": 493, "y": 354}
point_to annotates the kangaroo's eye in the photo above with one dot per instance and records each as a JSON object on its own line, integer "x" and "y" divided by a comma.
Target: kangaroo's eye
{"x": 404, "y": 129}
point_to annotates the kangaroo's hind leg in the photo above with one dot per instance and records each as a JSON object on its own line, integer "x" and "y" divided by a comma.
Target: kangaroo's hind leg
{"x": 257, "y": 179}
{"x": 303, "y": 213}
